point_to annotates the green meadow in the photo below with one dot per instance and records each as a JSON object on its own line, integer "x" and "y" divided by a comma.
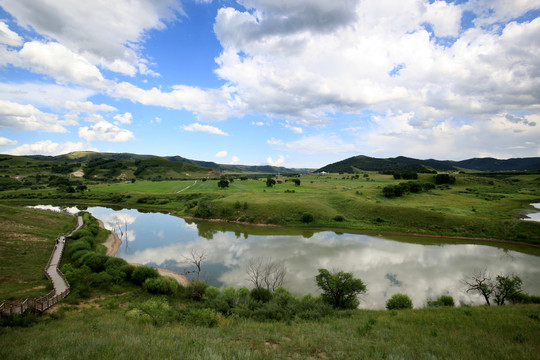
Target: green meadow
{"x": 102, "y": 329}
{"x": 27, "y": 238}
{"x": 121, "y": 320}
{"x": 476, "y": 205}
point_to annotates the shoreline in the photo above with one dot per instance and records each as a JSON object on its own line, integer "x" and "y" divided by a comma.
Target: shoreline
{"x": 339, "y": 230}
{"x": 113, "y": 243}
{"x": 368, "y": 232}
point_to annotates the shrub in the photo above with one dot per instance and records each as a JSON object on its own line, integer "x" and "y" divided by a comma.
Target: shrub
{"x": 161, "y": 285}
{"x": 141, "y": 273}
{"x": 78, "y": 245}
{"x": 212, "y": 292}
{"x": 444, "y": 179}
{"x": 261, "y": 294}
{"x": 201, "y": 317}
{"x": 398, "y": 302}
{"x": 197, "y": 290}
{"x": 96, "y": 262}
{"x": 443, "y": 300}
{"x": 114, "y": 262}
{"x": 128, "y": 270}
{"x": 339, "y": 218}
{"x": 77, "y": 255}
{"x": 307, "y": 217}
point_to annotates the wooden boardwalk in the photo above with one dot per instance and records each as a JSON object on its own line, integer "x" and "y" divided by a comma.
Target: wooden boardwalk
{"x": 60, "y": 284}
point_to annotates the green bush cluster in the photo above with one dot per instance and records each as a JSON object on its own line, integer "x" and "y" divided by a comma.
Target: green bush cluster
{"x": 263, "y": 305}
{"x": 398, "y": 302}
{"x": 392, "y": 191}
{"x": 87, "y": 269}
{"x": 443, "y": 300}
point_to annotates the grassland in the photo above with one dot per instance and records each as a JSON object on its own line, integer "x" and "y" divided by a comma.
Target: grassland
{"x": 103, "y": 329}
{"x": 475, "y": 206}
{"x": 27, "y": 238}
{"x": 104, "y": 326}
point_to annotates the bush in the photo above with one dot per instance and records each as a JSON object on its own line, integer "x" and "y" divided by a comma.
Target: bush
{"x": 141, "y": 273}
{"x": 115, "y": 263}
{"x": 161, "y": 285}
{"x": 443, "y": 300}
{"x": 197, "y": 289}
{"x": 339, "y": 218}
{"x": 201, "y": 317}
{"x": 444, "y": 179}
{"x": 96, "y": 262}
{"x": 78, "y": 245}
{"x": 398, "y": 302}
{"x": 261, "y": 295}
{"x": 307, "y": 217}
{"x": 212, "y": 292}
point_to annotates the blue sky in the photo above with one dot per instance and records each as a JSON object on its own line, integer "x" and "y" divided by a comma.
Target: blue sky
{"x": 296, "y": 83}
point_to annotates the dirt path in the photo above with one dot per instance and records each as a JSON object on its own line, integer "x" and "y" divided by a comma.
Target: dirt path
{"x": 187, "y": 187}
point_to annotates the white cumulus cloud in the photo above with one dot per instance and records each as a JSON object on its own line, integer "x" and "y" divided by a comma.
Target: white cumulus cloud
{"x": 279, "y": 161}
{"x": 8, "y": 36}
{"x": 106, "y": 33}
{"x": 5, "y": 141}
{"x": 196, "y": 127}
{"x": 55, "y": 60}
{"x": 27, "y": 117}
{"x": 123, "y": 118}
{"x": 221, "y": 154}
{"x": 47, "y": 147}
{"x": 105, "y": 131}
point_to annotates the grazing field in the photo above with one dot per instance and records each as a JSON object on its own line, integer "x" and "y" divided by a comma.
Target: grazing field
{"x": 158, "y": 187}
{"x": 104, "y": 330}
{"x": 27, "y": 238}
{"x": 476, "y": 205}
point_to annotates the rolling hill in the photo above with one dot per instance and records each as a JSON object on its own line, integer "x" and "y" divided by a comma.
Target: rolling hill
{"x": 366, "y": 163}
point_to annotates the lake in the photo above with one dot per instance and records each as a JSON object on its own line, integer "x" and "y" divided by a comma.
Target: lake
{"x": 422, "y": 268}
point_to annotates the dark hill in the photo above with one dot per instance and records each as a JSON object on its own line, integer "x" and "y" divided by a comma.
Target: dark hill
{"x": 366, "y": 163}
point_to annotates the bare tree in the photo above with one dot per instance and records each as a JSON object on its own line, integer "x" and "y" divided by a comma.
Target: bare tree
{"x": 266, "y": 273}
{"x": 255, "y": 272}
{"x": 195, "y": 258}
{"x": 481, "y": 283}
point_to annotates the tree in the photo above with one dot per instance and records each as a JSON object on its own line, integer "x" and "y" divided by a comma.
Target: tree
{"x": 223, "y": 183}
{"x": 340, "y": 289}
{"x": 506, "y": 287}
{"x": 481, "y": 283}
{"x": 81, "y": 188}
{"x": 195, "y": 258}
{"x": 270, "y": 182}
{"x": 296, "y": 182}
{"x": 266, "y": 273}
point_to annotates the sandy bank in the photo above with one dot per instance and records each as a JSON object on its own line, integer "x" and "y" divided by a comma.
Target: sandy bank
{"x": 113, "y": 243}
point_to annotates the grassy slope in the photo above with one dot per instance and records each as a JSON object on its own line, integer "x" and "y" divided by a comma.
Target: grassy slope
{"x": 27, "y": 237}
{"x": 474, "y": 206}
{"x": 508, "y": 332}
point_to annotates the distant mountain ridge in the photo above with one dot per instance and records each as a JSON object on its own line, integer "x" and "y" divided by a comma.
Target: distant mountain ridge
{"x": 401, "y": 163}
{"x": 82, "y": 156}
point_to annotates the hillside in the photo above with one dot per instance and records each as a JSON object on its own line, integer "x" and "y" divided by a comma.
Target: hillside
{"x": 85, "y": 156}
{"x": 366, "y": 163}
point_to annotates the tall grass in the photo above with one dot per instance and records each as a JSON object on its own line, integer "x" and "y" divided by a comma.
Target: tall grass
{"x": 508, "y": 332}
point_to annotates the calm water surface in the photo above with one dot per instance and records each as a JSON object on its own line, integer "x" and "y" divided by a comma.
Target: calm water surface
{"x": 419, "y": 267}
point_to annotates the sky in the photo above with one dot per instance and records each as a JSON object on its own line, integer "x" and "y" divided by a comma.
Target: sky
{"x": 294, "y": 83}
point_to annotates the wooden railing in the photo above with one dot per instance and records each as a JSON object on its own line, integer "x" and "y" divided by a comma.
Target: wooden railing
{"x": 45, "y": 302}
